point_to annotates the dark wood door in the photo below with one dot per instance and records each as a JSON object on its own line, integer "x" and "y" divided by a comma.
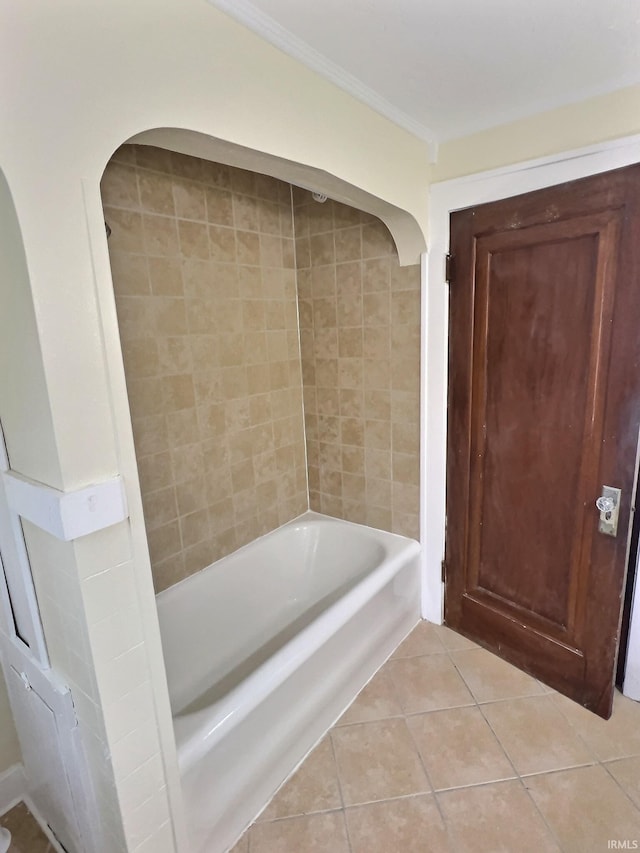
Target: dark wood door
{"x": 544, "y": 408}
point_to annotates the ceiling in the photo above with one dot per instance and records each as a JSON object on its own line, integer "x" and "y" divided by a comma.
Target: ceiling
{"x": 448, "y": 68}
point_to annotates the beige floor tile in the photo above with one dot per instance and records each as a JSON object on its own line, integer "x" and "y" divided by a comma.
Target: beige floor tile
{"x": 377, "y": 701}
{"x": 406, "y": 825}
{"x": 242, "y": 846}
{"x": 428, "y": 683}
{"x": 626, "y": 772}
{"x": 312, "y": 788}
{"x": 618, "y": 737}
{"x": 451, "y": 640}
{"x": 317, "y": 833}
{"x": 458, "y": 748}
{"x": 26, "y": 835}
{"x": 535, "y": 735}
{"x": 377, "y": 761}
{"x": 498, "y": 818}
{"x": 585, "y": 808}
{"x": 423, "y": 640}
{"x": 489, "y": 677}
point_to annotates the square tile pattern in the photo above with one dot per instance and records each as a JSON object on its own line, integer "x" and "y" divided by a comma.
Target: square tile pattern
{"x": 203, "y": 267}
{"x": 271, "y": 347}
{"x": 360, "y": 345}
{"x": 449, "y": 748}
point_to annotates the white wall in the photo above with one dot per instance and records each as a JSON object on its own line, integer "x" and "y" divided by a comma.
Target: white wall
{"x": 76, "y": 80}
{"x": 597, "y": 120}
{"x": 9, "y": 746}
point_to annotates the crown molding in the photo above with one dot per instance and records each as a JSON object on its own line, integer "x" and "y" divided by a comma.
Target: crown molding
{"x": 270, "y": 30}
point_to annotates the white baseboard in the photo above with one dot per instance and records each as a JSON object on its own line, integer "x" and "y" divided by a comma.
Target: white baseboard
{"x": 13, "y": 787}
{"x": 44, "y": 826}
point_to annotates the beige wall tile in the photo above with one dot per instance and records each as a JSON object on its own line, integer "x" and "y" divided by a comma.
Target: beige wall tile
{"x": 357, "y": 289}
{"x": 120, "y": 186}
{"x": 190, "y": 199}
{"x": 213, "y": 318}
{"x": 156, "y": 192}
{"x": 210, "y": 345}
{"x": 127, "y": 234}
{"x": 165, "y": 276}
{"x": 194, "y": 240}
{"x": 130, "y": 273}
{"x": 219, "y": 206}
{"x": 160, "y": 235}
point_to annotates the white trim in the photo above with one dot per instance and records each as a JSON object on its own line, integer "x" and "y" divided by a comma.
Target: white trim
{"x": 446, "y": 197}
{"x": 66, "y": 515}
{"x": 4, "y": 459}
{"x": 44, "y": 826}
{"x": 13, "y": 790}
{"x": 273, "y": 32}
{"x": 431, "y": 584}
{"x": 17, "y": 594}
{"x": 13, "y": 787}
{"x": 631, "y": 686}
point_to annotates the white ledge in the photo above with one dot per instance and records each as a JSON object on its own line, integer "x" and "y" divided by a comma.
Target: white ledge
{"x": 66, "y": 515}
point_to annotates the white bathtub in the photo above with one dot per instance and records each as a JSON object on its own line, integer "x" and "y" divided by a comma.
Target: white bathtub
{"x": 266, "y": 648}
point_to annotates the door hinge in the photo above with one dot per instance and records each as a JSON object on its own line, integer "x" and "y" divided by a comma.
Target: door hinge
{"x": 449, "y": 268}
{"x": 443, "y": 571}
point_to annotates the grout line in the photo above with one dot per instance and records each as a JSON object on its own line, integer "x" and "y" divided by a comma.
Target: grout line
{"x": 433, "y": 791}
{"x": 339, "y": 781}
{"x": 521, "y": 778}
{"x": 299, "y": 333}
{"x": 578, "y": 734}
{"x": 335, "y": 762}
{"x": 518, "y": 777}
{"x": 428, "y": 775}
{"x": 415, "y": 795}
{"x": 299, "y": 815}
{"x": 541, "y": 814}
{"x": 604, "y": 765}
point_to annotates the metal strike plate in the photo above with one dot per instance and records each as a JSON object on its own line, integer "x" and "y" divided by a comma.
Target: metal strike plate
{"x": 609, "y": 505}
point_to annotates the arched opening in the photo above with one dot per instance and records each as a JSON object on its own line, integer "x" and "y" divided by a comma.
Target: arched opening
{"x": 271, "y": 345}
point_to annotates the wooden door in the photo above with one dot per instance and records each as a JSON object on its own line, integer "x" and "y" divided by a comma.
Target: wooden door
{"x": 544, "y": 408}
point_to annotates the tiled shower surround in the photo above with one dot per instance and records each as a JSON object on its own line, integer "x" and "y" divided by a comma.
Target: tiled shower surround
{"x": 204, "y": 270}
{"x": 360, "y": 338}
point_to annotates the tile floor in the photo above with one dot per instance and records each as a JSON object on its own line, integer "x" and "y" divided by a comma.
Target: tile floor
{"x": 449, "y": 748}
{"x": 26, "y": 835}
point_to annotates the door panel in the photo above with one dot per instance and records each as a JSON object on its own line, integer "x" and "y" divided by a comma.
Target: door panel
{"x": 543, "y": 409}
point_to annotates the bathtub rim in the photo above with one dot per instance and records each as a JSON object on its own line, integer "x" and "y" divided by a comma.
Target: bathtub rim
{"x": 198, "y": 733}
{"x": 310, "y": 514}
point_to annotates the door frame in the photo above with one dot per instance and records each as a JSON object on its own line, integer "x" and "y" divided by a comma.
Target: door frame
{"x": 445, "y": 197}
